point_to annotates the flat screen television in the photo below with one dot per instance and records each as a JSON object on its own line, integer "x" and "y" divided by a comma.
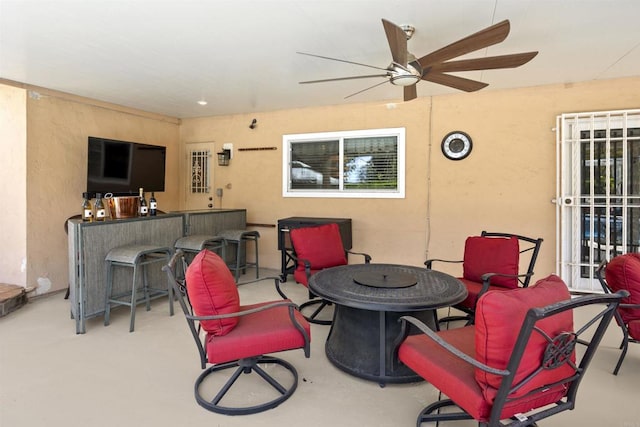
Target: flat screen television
{"x": 122, "y": 167}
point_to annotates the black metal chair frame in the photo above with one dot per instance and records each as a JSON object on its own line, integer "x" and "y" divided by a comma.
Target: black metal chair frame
{"x": 243, "y": 366}
{"x": 626, "y": 338}
{"x": 313, "y": 298}
{"x": 557, "y": 352}
{"x": 531, "y": 245}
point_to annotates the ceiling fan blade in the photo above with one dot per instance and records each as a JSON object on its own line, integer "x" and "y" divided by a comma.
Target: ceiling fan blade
{"x": 410, "y": 92}
{"x": 365, "y": 89}
{"x": 344, "y": 78}
{"x": 488, "y": 63}
{"x": 483, "y": 38}
{"x": 341, "y": 60}
{"x": 455, "y": 82}
{"x": 397, "y": 39}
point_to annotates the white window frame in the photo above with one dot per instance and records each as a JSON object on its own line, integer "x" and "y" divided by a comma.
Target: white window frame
{"x": 287, "y": 140}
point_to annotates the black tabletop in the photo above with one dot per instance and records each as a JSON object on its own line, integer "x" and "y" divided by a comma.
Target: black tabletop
{"x": 343, "y": 285}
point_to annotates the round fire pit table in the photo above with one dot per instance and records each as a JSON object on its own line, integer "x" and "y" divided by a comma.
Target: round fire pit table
{"x": 369, "y": 299}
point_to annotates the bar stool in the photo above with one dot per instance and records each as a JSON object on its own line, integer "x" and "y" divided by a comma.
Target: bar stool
{"x": 135, "y": 256}
{"x": 192, "y": 245}
{"x": 239, "y": 238}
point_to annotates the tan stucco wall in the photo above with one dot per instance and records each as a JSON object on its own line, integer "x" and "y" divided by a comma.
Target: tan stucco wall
{"x": 13, "y": 185}
{"x": 57, "y": 169}
{"x": 505, "y": 185}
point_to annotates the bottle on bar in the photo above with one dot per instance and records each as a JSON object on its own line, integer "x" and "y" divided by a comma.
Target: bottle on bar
{"x": 143, "y": 208}
{"x": 101, "y": 213}
{"x": 153, "y": 205}
{"x": 87, "y": 209}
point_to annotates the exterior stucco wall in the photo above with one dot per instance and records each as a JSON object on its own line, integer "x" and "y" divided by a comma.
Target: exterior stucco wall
{"x": 13, "y": 185}
{"x": 57, "y": 172}
{"x": 507, "y": 183}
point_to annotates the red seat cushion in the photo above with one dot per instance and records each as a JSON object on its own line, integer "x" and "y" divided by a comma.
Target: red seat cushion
{"x": 445, "y": 371}
{"x": 264, "y": 332}
{"x": 499, "y": 317}
{"x": 212, "y": 290}
{"x": 491, "y": 340}
{"x": 491, "y": 255}
{"x": 320, "y": 245}
{"x": 623, "y": 272}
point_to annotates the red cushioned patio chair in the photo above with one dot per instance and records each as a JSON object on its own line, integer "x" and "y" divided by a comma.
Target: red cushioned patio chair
{"x": 316, "y": 248}
{"x": 237, "y": 337}
{"x": 623, "y": 272}
{"x": 517, "y": 364}
{"x": 491, "y": 262}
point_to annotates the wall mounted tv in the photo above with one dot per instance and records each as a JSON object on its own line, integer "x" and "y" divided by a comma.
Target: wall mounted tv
{"x": 122, "y": 167}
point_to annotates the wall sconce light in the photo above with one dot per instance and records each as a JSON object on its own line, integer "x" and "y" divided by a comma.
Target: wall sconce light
{"x": 253, "y": 124}
{"x": 223, "y": 157}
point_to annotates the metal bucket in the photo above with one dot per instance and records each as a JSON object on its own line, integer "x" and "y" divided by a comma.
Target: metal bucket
{"x": 123, "y": 207}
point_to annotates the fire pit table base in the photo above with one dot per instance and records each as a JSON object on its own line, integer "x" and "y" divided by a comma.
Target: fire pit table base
{"x": 361, "y": 342}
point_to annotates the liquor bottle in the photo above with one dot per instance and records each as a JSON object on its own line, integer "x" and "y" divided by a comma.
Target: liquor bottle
{"x": 143, "y": 208}
{"x": 87, "y": 209}
{"x": 153, "y": 205}
{"x": 100, "y": 212}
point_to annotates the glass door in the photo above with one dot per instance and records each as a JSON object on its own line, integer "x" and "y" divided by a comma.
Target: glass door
{"x": 598, "y": 192}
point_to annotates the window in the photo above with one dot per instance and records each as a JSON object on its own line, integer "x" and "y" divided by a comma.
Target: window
{"x": 363, "y": 163}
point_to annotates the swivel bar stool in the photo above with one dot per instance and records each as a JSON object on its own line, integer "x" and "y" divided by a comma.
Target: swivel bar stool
{"x": 136, "y": 256}
{"x": 239, "y": 238}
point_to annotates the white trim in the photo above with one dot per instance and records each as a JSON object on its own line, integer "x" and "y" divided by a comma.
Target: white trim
{"x": 400, "y": 133}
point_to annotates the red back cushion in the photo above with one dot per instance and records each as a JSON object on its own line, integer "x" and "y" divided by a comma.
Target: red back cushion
{"x": 321, "y": 246}
{"x": 499, "y": 317}
{"x": 212, "y": 291}
{"x": 623, "y": 272}
{"x": 492, "y": 255}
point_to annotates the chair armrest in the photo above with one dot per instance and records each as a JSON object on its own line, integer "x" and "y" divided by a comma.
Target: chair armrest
{"x": 631, "y": 306}
{"x": 431, "y": 261}
{"x": 448, "y": 347}
{"x": 367, "y": 257}
{"x": 292, "y": 309}
{"x": 245, "y": 312}
{"x": 486, "y": 279}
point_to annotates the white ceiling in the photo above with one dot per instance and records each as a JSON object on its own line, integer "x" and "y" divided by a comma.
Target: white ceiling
{"x": 240, "y": 55}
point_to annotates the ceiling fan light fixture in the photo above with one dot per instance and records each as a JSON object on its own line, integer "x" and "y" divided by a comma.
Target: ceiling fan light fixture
{"x": 404, "y": 79}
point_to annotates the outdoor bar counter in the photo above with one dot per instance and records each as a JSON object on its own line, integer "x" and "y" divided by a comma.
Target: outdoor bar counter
{"x": 89, "y": 243}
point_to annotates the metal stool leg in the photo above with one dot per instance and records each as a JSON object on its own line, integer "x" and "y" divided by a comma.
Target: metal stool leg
{"x": 145, "y": 282}
{"x": 107, "y": 308}
{"x": 134, "y": 298}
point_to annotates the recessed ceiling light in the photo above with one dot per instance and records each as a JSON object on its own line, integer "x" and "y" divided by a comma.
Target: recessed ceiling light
{"x": 202, "y": 102}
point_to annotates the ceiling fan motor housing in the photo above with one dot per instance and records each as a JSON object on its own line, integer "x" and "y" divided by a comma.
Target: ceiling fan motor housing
{"x": 408, "y": 76}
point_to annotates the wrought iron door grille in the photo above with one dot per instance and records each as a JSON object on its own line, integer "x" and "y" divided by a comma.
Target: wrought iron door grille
{"x": 200, "y": 171}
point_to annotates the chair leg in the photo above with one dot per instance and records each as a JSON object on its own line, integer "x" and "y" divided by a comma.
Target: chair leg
{"x": 427, "y": 414}
{"x": 313, "y": 317}
{"x": 246, "y": 366}
{"x": 624, "y": 346}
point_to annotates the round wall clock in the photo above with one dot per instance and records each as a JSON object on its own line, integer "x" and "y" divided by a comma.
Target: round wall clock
{"x": 456, "y": 145}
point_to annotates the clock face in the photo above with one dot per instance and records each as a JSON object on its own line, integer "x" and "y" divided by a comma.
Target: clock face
{"x": 456, "y": 145}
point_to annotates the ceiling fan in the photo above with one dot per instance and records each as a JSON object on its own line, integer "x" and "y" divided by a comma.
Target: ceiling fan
{"x": 405, "y": 70}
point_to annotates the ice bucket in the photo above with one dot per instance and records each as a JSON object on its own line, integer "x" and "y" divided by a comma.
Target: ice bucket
{"x": 123, "y": 207}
